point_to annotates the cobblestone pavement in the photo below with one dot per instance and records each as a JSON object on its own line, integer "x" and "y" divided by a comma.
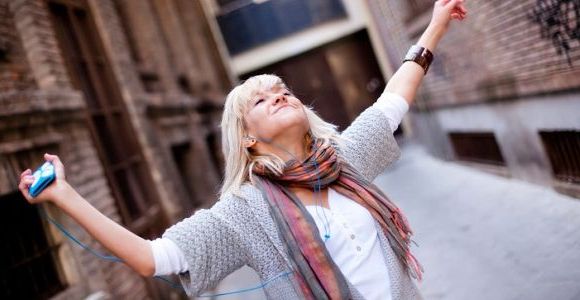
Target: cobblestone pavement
{"x": 480, "y": 236}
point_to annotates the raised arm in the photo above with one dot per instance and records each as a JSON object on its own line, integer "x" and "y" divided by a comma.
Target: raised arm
{"x": 369, "y": 142}
{"x": 120, "y": 241}
{"x": 408, "y": 77}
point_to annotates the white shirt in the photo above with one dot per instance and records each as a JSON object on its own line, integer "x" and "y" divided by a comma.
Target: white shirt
{"x": 360, "y": 258}
{"x": 354, "y": 244}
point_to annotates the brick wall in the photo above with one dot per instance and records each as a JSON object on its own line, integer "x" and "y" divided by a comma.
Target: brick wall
{"x": 511, "y": 69}
{"x": 40, "y": 111}
{"x": 499, "y": 52}
{"x": 34, "y": 29}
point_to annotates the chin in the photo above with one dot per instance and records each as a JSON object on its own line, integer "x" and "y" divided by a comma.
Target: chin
{"x": 298, "y": 125}
{"x": 292, "y": 120}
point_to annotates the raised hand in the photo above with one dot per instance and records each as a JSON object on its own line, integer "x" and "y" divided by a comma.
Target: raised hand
{"x": 446, "y": 10}
{"x": 52, "y": 191}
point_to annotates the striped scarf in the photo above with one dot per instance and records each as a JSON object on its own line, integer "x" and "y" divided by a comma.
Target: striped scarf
{"x": 317, "y": 274}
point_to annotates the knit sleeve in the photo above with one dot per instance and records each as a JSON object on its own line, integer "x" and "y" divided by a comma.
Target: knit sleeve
{"x": 394, "y": 106}
{"x": 212, "y": 247}
{"x": 369, "y": 144}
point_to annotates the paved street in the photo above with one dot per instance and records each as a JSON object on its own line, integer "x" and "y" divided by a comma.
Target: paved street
{"x": 486, "y": 237}
{"x": 481, "y": 236}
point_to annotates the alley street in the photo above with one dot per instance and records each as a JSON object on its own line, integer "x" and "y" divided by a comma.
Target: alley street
{"x": 482, "y": 236}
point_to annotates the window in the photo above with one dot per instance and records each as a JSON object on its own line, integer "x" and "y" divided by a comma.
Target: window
{"x": 27, "y": 257}
{"x": 247, "y": 24}
{"x": 480, "y": 147}
{"x": 563, "y": 149}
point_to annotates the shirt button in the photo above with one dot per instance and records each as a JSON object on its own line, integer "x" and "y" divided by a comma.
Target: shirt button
{"x": 358, "y": 248}
{"x": 352, "y": 236}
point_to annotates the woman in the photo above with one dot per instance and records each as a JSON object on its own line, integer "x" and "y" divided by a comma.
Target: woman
{"x": 296, "y": 205}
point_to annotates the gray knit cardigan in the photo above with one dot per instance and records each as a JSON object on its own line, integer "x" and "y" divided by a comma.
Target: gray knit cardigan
{"x": 238, "y": 230}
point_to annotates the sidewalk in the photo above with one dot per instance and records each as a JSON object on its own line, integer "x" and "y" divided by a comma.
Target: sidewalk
{"x": 481, "y": 236}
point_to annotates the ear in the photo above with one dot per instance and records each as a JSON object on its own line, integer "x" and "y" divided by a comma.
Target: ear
{"x": 249, "y": 141}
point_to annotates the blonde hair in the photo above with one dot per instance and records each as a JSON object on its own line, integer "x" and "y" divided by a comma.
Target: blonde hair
{"x": 239, "y": 161}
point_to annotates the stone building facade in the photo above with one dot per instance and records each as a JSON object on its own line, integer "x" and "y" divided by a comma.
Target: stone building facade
{"x": 503, "y": 91}
{"x": 129, "y": 94}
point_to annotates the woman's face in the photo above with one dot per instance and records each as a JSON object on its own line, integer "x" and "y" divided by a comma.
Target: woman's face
{"x": 275, "y": 113}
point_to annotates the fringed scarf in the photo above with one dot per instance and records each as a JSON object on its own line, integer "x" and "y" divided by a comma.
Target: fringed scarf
{"x": 317, "y": 274}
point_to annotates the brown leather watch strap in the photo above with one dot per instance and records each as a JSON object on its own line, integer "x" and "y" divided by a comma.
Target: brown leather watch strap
{"x": 420, "y": 55}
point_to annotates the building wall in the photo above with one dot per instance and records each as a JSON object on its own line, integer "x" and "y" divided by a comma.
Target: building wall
{"x": 508, "y": 69}
{"x": 305, "y": 40}
{"x": 165, "y": 110}
{"x": 172, "y": 83}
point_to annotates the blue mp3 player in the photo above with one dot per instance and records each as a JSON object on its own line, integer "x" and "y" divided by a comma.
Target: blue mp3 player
{"x": 43, "y": 176}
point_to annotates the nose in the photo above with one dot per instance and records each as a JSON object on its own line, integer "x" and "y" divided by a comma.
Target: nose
{"x": 279, "y": 99}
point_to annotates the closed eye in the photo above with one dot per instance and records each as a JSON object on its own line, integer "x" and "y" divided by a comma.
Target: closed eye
{"x": 258, "y": 102}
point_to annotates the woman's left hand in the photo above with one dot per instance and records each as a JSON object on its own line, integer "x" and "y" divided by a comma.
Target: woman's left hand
{"x": 446, "y": 10}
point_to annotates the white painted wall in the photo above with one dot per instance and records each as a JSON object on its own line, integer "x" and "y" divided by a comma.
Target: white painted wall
{"x": 516, "y": 125}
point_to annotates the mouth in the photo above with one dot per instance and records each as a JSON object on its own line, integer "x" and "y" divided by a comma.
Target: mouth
{"x": 281, "y": 107}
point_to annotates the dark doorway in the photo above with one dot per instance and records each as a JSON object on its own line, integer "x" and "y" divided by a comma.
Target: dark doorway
{"x": 28, "y": 264}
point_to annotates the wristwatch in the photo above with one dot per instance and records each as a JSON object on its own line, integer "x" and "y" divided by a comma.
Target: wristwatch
{"x": 420, "y": 55}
